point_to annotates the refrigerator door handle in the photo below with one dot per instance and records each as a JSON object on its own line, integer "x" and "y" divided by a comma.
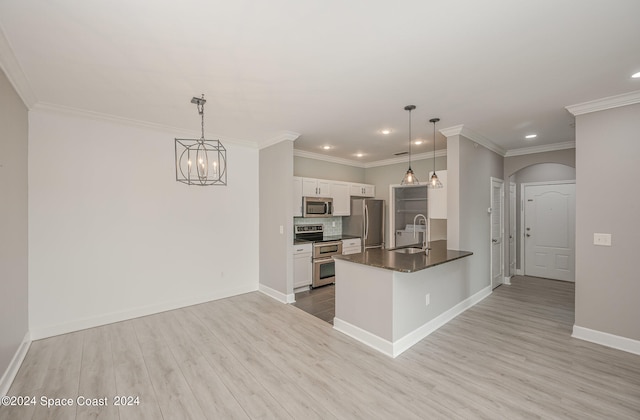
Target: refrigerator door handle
{"x": 366, "y": 222}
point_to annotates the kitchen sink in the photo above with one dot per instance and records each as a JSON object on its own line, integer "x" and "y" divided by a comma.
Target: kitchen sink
{"x": 408, "y": 250}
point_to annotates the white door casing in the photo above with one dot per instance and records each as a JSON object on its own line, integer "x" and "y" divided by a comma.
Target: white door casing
{"x": 512, "y": 229}
{"x": 497, "y": 232}
{"x": 549, "y": 230}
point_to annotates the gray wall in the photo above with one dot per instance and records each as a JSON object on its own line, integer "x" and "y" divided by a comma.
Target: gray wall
{"x": 276, "y": 209}
{"x": 607, "y": 282}
{"x": 469, "y": 171}
{"x": 383, "y": 176}
{"x": 513, "y": 164}
{"x": 14, "y": 131}
{"x": 313, "y": 168}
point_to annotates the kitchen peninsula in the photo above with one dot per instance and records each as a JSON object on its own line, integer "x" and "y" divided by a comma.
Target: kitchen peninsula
{"x": 390, "y": 300}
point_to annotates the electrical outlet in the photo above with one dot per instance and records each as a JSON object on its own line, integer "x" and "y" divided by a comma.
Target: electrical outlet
{"x": 602, "y": 239}
{"x": 281, "y": 229}
{"x": 333, "y": 224}
{"x": 427, "y": 299}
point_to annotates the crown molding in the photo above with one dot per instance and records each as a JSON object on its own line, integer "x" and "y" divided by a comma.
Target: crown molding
{"x": 456, "y": 130}
{"x": 331, "y": 159}
{"x": 404, "y": 159}
{"x": 461, "y": 130}
{"x": 609, "y": 102}
{"x": 365, "y": 165}
{"x": 11, "y": 67}
{"x": 281, "y": 136}
{"x": 98, "y": 116}
{"x": 541, "y": 149}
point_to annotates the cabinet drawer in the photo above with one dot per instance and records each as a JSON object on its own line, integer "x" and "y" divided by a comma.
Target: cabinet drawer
{"x": 348, "y": 243}
{"x": 301, "y": 249}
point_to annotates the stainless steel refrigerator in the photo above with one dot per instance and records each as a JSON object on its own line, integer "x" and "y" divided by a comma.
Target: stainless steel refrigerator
{"x": 366, "y": 221}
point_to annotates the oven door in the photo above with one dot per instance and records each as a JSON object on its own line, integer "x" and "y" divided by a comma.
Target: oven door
{"x": 326, "y": 249}
{"x": 324, "y": 272}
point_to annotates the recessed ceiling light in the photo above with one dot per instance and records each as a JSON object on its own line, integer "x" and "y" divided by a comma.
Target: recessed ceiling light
{"x": 636, "y": 75}
{"x": 531, "y": 136}
{"x": 385, "y": 131}
{"x": 359, "y": 154}
{"x": 418, "y": 142}
{"x": 326, "y": 147}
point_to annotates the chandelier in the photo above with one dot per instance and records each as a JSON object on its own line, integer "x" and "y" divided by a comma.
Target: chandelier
{"x": 200, "y": 161}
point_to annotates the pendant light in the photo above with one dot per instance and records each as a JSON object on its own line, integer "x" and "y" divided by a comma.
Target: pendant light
{"x": 409, "y": 177}
{"x": 434, "y": 182}
{"x": 209, "y": 157}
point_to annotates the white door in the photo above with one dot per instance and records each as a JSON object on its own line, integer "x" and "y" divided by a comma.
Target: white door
{"x": 497, "y": 232}
{"x": 549, "y": 231}
{"x": 512, "y": 229}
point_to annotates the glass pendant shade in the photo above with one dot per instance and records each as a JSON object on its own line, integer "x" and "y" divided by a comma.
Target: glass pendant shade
{"x": 409, "y": 177}
{"x": 434, "y": 182}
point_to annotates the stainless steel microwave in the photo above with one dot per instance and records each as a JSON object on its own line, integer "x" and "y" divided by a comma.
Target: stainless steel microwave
{"x": 317, "y": 207}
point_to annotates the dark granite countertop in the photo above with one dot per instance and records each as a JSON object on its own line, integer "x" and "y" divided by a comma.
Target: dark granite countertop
{"x": 406, "y": 263}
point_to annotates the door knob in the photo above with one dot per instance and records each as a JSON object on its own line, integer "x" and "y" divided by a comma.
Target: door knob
{"x": 494, "y": 241}
{"x": 528, "y": 235}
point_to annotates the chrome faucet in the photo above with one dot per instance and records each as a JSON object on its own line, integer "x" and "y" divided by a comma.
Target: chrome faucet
{"x": 424, "y": 237}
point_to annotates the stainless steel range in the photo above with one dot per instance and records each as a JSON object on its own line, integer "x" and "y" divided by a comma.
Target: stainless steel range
{"x": 324, "y": 248}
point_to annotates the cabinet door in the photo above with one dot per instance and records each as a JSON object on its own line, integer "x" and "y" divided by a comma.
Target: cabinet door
{"x": 356, "y": 190}
{"x": 302, "y": 270}
{"x": 363, "y": 190}
{"x": 297, "y": 196}
{"x": 438, "y": 197}
{"x": 309, "y": 187}
{"x": 324, "y": 188}
{"x": 369, "y": 190}
{"x": 341, "y": 200}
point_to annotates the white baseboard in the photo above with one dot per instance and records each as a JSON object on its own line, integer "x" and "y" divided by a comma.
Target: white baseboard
{"x": 507, "y": 281}
{"x": 394, "y": 349}
{"x": 279, "y": 296}
{"x": 38, "y": 333}
{"x": 606, "y": 339}
{"x": 365, "y": 337}
{"x": 16, "y": 362}
{"x": 519, "y": 272}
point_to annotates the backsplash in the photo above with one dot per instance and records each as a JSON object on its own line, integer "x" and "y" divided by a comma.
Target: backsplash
{"x": 326, "y": 222}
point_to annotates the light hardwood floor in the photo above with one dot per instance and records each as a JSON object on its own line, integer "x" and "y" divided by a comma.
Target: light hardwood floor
{"x": 250, "y": 357}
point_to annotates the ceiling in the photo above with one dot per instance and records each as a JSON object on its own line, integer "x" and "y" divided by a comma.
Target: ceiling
{"x": 334, "y": 72}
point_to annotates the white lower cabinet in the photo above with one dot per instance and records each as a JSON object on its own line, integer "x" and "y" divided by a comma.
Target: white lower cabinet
{"x": 351, "y": 246}
{"x": 302, "y": 267}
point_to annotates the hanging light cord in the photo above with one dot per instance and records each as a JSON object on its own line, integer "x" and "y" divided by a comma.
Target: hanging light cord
{"x": 410, "y": 138}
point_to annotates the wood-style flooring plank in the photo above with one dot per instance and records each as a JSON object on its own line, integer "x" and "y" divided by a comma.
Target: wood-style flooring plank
{"x": 248, "y": 356}
{"x": 97, "y": 377}
{"x": 174, "y": 395}
{"x": 131, "y": 374}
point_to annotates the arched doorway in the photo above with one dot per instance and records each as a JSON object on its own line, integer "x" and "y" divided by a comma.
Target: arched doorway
{"x": 539, "y": 174}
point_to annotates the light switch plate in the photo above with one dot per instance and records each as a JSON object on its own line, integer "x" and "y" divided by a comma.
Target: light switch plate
{"x": 602, "y": 239}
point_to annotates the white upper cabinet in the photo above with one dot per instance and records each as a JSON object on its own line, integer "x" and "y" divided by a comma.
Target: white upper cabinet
{"x": 312, "y": 187}
{"x": 297, "y": 196}
{"x": 438, "y": 197}
{"x": 341, "y": 198}
{"x": 363, "y": 190}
